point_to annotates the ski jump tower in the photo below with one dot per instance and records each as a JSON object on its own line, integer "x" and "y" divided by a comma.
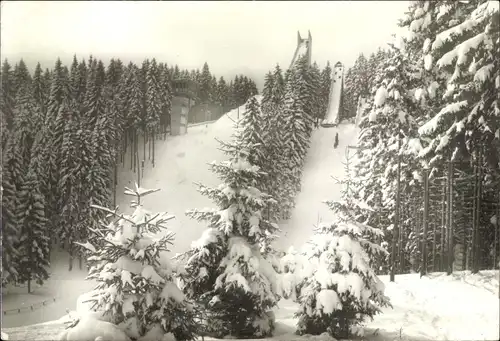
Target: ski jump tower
{"x": 304, "y": 46}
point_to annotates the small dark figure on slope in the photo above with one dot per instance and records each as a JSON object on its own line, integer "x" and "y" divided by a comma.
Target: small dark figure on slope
{"x": 336, "y": 142}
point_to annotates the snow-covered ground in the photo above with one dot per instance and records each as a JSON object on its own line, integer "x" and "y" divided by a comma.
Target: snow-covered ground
{"x": 438, "y": 307}
{"x": 322, "y": 162}
{"x": 460, "y": 307}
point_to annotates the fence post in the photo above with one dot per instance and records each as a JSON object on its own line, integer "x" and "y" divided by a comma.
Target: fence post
{"x": 425, "y": 222}
{"x": 450, "y": 217}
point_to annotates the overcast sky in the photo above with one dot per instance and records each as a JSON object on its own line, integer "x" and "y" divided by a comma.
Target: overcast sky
{"x": 246, "y": 37}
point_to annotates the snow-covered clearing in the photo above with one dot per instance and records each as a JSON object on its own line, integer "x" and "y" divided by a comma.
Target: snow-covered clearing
{"x": 59, "y": 293}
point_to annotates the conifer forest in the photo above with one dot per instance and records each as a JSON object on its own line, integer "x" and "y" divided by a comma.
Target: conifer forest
{"x": 356, "y": 201}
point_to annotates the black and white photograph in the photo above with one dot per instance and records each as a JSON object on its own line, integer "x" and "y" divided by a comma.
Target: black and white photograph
{"x": 250, "y": 170}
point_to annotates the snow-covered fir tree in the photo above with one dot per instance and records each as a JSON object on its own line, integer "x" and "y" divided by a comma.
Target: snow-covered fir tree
{"x": 304, "y": 86}
{"x": 227, "y": 274}
{"x": 316, "y": 85}
{"x": 205, "y": 84}
{"x": 341, "y": 289}
{"x": 326, "y": 81}
{"x": 296, "y": 134}
{"x": 12, "y": 175}
{"x": 390, "y": 137}
{"x": 249, "y": 133}
{"x": 39, "y": 93}
{"x": 153, "y": 96}
{"x": 8, "y": 94}
{"x": 136, "y": 280}
{"x": 34, "y": 243}
{"x": 267, "y": 93}
{"x": 278, "y": 89}
{"x": 465, "y": 50}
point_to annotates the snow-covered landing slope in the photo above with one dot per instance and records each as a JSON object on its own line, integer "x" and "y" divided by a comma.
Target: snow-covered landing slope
{"x": 322, "y": 162}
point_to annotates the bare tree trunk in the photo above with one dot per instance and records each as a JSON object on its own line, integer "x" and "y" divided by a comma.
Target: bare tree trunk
{"x": 149, "y": 144}
{"x": 464, "y": 236}
{"x": 138, "y": 171}
{"x": 136, "y": 150}
{"x": 144, "y": 146}
{"x": 70, "y": 267}
{"x": 402, "y": 241}
{"x": 474, "y": 218}
{"x": 450, "y": 217}
{"x": 475, "y": 233}
{"x": 115, "y": 183}
{"x": 395, "y": 232}
{"x": 132, "y": 146}
{"x": 443, "y": 224}
{"x": 423, "y": 268}
{"x": 153, "y": 161}
{"x": 495, "y": 244}
{"x": 434, "y": 267}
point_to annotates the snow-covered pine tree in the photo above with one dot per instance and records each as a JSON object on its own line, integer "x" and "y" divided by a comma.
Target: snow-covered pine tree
{"x": 304, "y": 87}
{"x": 250, "y": 134}
{"x": 356, "y": 84}
{"x": 154, "y": 98}
{"x": 326, "y": 81}
{"x": 39, "y": 94}
{"x": 136, "y": 280}
{"x": 12, "y": 176}
{"x": 227, "y": 275}
{"x": 8, "y": 94}
{"x": 465, "y": 50}
{"x": 74, "y": 79}
{"x": 166, "y": 87}
{"x": 278, "y": 90}
{"x": 223, "y": 93}
{"x": 213, "y": 90}
{"x": 267, "y": 94}
{"x": 316, "y": 86}
{"x": 205, "y": 84}
{"x": 349, "y": 100}
{"x": 296, "y": 133}
{"x": 341, "y": 289}
{"x": 34, "y": 243}
{"x": 274, "y": 125}
{"x": 26, "y": 116}
{"x": 55, "y": 128}
{"x": 22, "y": 77}
{"x": 82, "y": 86}
{"x": 70, "y": 179}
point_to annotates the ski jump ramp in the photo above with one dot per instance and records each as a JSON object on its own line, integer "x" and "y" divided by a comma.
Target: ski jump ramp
{"x": 334, "y": 102}
{"x": 304, "y": 47}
